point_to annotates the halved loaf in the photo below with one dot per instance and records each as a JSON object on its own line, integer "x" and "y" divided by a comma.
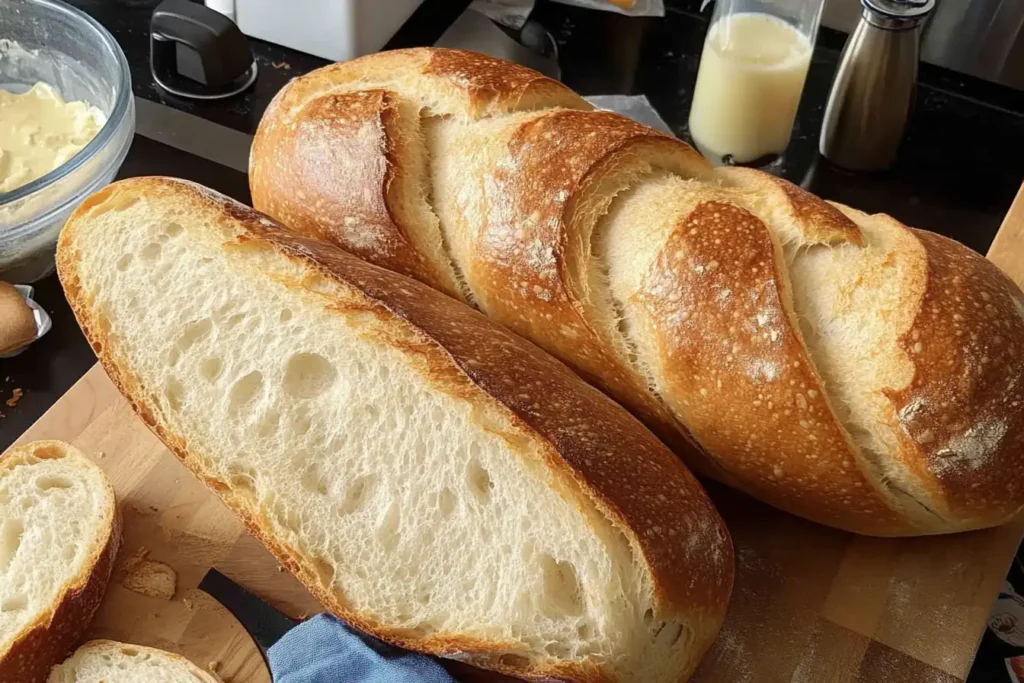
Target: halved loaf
{"x": 434, "y": 479}
{"x": 107, "y": 661}
{"x": 59, "y": 534}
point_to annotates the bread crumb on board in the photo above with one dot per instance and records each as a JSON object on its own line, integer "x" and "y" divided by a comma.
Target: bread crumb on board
{"x": 149, "y": 577}
{"x": 16, "y": 395}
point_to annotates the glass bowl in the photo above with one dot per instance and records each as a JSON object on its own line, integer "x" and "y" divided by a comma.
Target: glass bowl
{"x": 49, "y": 41}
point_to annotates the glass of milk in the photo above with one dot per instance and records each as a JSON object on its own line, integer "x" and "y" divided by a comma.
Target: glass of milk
{"x": 752, "y": 72}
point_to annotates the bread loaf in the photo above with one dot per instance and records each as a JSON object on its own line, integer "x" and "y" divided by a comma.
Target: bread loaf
{"x": 841, "y": 366}
{"x": 59, "y": 534}
{"x": 107, "y": 661}
{"x": 432, "y": 478}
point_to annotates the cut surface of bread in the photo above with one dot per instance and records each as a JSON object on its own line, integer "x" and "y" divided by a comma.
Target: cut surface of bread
{"x": 434, "y": 479}
{"x": 59, "y": 534}
{"x": 107, "y": 661}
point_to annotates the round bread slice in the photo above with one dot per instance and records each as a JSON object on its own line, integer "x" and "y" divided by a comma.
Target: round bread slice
{"x": 59, "y": 534}
{"x": 107, "y": 661}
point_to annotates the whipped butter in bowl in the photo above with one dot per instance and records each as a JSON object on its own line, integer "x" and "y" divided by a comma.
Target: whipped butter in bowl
{"x": 67, "y": 119}
{"x": 39, "y": 131}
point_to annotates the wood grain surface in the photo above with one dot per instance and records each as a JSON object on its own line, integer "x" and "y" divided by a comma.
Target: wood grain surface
{"x": 811, "y": 604}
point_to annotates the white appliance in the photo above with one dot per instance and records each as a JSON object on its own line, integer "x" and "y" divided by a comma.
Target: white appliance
{"x": 332, "y": 29}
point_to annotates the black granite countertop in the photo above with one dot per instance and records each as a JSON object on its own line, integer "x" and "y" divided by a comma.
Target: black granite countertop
{"x": 958, "y": 169}
{"x": 957, "y": 173}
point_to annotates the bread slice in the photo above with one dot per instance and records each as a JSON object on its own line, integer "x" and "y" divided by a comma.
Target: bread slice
{"x": 434, "y": 479}
{"x": 107, "y": 661}
{"x": 59, "y": 534}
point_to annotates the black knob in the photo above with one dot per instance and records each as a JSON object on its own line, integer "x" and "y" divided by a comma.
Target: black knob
{"x": 198, "y": 52}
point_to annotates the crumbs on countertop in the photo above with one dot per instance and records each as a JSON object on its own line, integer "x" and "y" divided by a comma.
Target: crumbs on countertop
{"x": 16, "y": 395}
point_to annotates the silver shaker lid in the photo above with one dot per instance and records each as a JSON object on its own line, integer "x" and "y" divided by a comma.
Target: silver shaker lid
{"x": 898, "y": 12}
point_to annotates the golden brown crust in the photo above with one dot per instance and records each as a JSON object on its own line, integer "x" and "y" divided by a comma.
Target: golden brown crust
{"x": 818, "y": 221}
{"x": 445, "y": 82}
{"x": 523, "y": 268}
{"x": 17, "y": 322}
{"x": 328, "y": 172}
{"x": 737, "y": 373}
{"x": 102, "y": 646}
{"x": 963, "y": 413}
{"x": 54, "y": 635}
{"x": 650, "y": 496}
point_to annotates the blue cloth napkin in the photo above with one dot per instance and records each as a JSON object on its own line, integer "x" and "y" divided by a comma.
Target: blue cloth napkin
{"x": 324, "y": 650}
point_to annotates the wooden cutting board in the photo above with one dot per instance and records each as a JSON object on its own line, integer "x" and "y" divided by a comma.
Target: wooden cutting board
{"x": 811, "y": 605}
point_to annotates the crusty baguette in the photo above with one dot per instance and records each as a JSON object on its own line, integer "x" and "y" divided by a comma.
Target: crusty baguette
{"x": 107, "y": 661}
{"x": 837, "y": 365}
{"x": 434, "y": 479}
{"x": 60, "y": 530}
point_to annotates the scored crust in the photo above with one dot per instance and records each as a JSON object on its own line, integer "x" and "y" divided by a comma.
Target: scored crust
{"x": 530, "y": 262}
{"x": 960, "y": 420}
{"x": 649, "y": 496}
{"x": 321, "y": 191}
{"x": 55, "y": 633}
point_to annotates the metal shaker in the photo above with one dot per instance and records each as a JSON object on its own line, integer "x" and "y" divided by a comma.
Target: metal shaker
{"x": 873, "y": 90}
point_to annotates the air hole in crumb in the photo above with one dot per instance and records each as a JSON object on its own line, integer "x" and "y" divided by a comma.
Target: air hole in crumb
{"x": 11, "y": 530}
{"x": 584, "y": 631}
{"x": 387, "y": 533}
{"x": 446, "y": 502}
{"x": 245, "y": 389}
{"x": 173, "y": 356}
{"x": 15, "y": 603}
{"x": 129, "y": 652}
{"x": 242, "y": 478}
{"x": 308, "y": 375}
{"x": 556, "y": 649}
{"x": 54, "y": 482}
{"x": 68, "y": 553}
{"x": 194, "y": 332}
{"x": 562, "y": 597}
{"x": 268, "y": 424}
{"x": 372, "y": 411}
{"x": 356, "y": 494}
{"x": 648, "y": 616}
{"x": 301, "y": 424}
{"x": 287, "y": 517}
{"x": 175, "y": 393}
{"x": 325, "y": 571}
{"x": 150, "y": 251}
{"x": 313, "y": 480}
{"x": 172, "y": 229}
{"x": 124, "y": 262}
{"x": 479, "y": 481}
{"x": 210, "y": 368}
{"x": 233, "y": 320}
{"x": 286, "y": 315}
